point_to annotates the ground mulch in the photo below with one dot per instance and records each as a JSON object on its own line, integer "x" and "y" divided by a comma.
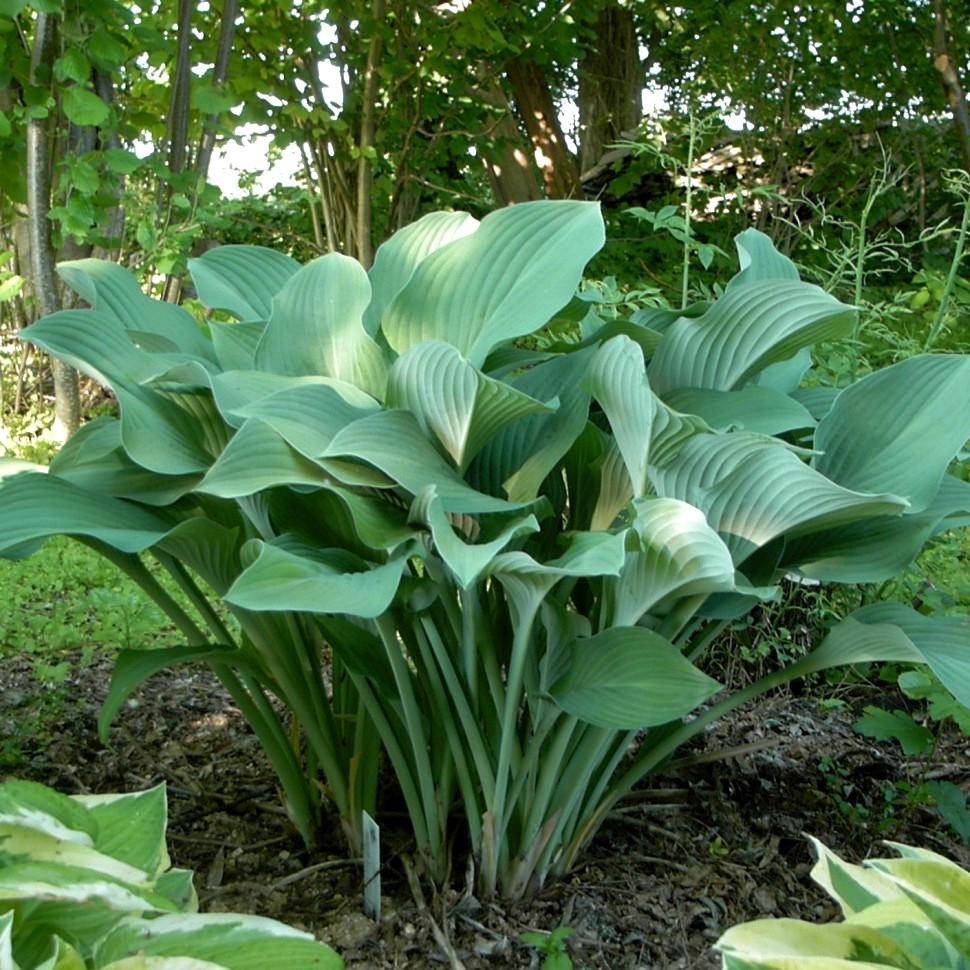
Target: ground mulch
{"x": 717, "y": 839}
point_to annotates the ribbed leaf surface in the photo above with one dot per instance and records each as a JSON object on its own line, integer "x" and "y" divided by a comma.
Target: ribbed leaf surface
{"x": 242, "y": 280}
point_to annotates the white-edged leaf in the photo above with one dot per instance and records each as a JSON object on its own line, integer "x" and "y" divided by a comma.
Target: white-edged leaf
{"x": 854, "y": 888}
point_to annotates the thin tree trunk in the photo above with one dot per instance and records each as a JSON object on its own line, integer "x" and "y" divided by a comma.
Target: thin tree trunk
{"x": 220, "y": 71}
{"x": 67, "y": 403}
{"x": 365, "y": 244}
{"x": 560, "y": 176}
{"x": 951, "y": 81}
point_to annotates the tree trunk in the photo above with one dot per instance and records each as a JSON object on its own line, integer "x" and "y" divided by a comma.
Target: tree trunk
{"x": 533, "y": 98}
{"x": 507, "y": 161}
{"x": 67, "y": 403}
{"x": 220, "y": 71}
{"x": 951, "y": 81}
{"x": 611, "y": 79}
{"x": 365, "y": 244}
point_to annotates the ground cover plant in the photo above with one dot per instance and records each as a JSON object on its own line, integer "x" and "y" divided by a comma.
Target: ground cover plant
{"x": 86, "y": 882}
{"x": 497, "y": 563}
{"x": 909, "y": 912}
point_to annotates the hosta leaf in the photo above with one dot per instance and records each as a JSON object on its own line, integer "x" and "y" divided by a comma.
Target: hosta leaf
{"x": 315, "y": 581}
{"x": 154, "y": 430}
{"x": 759, "y": 260}
{"x": 751, "y": 326}
{"x": 753, "y": 489}
{"x": 503, "y": 281}
{"x": 209, "y": 549}
{"x": 36, "y": 506}
{"x": 854, "y": 888}
{"x": 679, "y": 554}
{"x": 628, "y": 677}
{"x": 397, "y": 258}
{"x": 615, "y": 490}
{"x": 897, "y": 429}
{"x": 308, "y": 416}
{"x": 133, "y": 667}
{"x": 242, "y": 280}
{"x": 94, "y": 459}
{"x": 877, "y": 549}
{"x": 258, "y": 457}
{"x": 230, "y": 940}
{"x": 393, "y": 442}
{"x": 754, "y": 408}
{"x": 161, "y": 963}
{"x": 315, "y": 326}
{"x": 617, "y": 380}
{"x": 32, "y": 805}
{"x": 235, "y": 343}
{"x": 893, "y": 632}
{"x": 112, "y": 289}
{"x": 454, "y": 401}
{"x": 768, "y": 941}
{"x": 467, "y": 561}
{"x": 519, "y": 457}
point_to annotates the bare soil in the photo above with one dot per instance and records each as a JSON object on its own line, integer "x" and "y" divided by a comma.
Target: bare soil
{"x": 715, "y": 840}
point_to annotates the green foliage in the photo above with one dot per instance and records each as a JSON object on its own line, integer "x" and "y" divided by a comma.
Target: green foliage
{"x": 86, "y": 882}
{"x": 912, "y": 913}
{"x": 516, "y": 558}
{"x": 552, "y": 947}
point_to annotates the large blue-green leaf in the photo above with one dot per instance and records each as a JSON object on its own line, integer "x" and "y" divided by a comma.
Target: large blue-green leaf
{"x": 881, "y": 548}
{"x": 94, "y": 459}
{"x": 677, "y": 554}
{"x": 113, "y": 290}
{"x": 454, "y": 401}
{"x": 522, "y": 454}
{"x": 315, "y": 581}
{"x": 397, "y": 258}
{"x": 209, "y": 549}
{"x": 235, "y": 343}
{"x": 36, "y": 506}
{"x": 753, "y": 408}
{"x": 897, "y": 429}
{"x": 466, "y": 560}
{"x": 393, "y": 442}
{"x": 154, "y": 429}
{"x": 628, "y": 677}
{"x": 503, "y": 281}
{"x": 258, "y": 457}
{"x": 617, "y": 379}
{"x": 753, "y": 489}
{"x": 751, "y": 326}
{"x": 316, "y": 328}
{"x": 242, "y": 280}
{"x": 759, "y": 260}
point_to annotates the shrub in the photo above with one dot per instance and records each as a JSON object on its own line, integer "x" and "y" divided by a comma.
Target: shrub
{"x": 499, "y": 563}
{"x": 912, "y": 912}
{"x": 85, "y": 881}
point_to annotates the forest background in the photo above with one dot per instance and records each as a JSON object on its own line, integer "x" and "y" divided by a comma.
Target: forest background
{"x": 848, "y": 128}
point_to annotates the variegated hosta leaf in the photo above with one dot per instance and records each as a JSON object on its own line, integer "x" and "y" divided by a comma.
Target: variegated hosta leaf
{"x": 242, "y": 280}
{"x": 397, "y": 258}
{"x": 316, "y": 328}
{"x": 753, "y": 489}
{"x": 466, "y": 560}
{"x": 854, "y": 888}
{"x": 462, "y": 407}
{"x": 627, "y": 678}
{"x": 677, "y": 554}
{"x": 112, "y": 289}
{"x": 229, "y": 940}
{"x": 751, "y": 326}
{"x": 617, "y": 380}
{"x": 503, "y": 281}
{"x": 315, "y": 581}
{"x": 897, "y": 429}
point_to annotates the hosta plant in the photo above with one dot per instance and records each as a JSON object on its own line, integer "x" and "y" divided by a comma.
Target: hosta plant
{"x": 86, "y": 882}
{"x": 494, "y": 556}
{"x": 912, "y": 913}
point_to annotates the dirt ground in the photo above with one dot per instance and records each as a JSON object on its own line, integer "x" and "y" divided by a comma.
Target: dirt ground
{"x": 715, "y": 840}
